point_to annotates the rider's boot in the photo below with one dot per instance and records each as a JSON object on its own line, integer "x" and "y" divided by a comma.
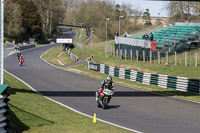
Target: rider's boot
{"x": 97, "y": 96}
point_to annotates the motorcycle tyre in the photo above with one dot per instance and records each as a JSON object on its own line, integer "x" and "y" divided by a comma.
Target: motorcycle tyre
{"x": 105, "y": 103}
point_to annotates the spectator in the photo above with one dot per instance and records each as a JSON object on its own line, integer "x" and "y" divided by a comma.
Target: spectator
{"x": 117, "y": 34}
{"x": 126, "y": 34}
{"x": 151, "y": 36}
{"x": 145, "y": 36}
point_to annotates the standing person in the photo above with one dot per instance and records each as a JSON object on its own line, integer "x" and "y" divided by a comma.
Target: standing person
{"x": 151, "y": 37}
{"x": 126, "y": 34}
{"x": 117, "y": 34}
{"x": 145, "y": 36}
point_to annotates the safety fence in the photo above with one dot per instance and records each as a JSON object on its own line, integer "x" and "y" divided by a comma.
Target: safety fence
{"x": 4, "y": 121}
{"x": 163, "y": 81}
{"x": 133, "y": 42}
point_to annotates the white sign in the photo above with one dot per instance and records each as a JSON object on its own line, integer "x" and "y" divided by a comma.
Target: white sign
{"x": 62, "y": 40}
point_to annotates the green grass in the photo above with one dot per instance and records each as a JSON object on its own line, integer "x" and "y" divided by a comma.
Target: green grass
{"x": 56, "y": 54}
{"x": 189, "y": 71}
{"x": 31, "y": 113}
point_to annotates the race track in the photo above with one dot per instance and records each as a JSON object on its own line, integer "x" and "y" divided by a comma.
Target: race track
{"x": 138, "y": 110}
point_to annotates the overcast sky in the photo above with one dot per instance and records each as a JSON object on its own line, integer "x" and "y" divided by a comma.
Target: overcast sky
{"x": 154, "y": 7}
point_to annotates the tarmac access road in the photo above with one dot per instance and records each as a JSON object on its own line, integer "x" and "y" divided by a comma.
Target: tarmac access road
{"x": 138, "y": 110}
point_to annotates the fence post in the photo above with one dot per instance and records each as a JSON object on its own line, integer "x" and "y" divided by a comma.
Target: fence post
{"x": 175, "y": 59}
{"x": 167, "y": 57}
{"x": 196, "y": 57}
{"x": 121, "y": 54}
{"x": 131, "y": 54}
{"x": 114, "y": 54}
{"x": 158, "y": 57}
{"x": 117, "y": 53}
{"x": 143, "y": 53}
{"x": 150, "y": 56}
{"x": 111, "y": 49}
{"x": 185, "y": 58}
{"x": 137, "y": 54}
{"x": 125, "y": 52}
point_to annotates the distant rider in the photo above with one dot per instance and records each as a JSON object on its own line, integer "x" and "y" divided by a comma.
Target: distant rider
{"x": 18, "y": 55}
{"x": 21, "y": 58}
{"x": 105, "y": 82}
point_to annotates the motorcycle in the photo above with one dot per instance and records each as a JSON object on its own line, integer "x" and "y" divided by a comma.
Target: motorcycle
{"x": 105, "y": 97}
{"x": 21, "y": 61}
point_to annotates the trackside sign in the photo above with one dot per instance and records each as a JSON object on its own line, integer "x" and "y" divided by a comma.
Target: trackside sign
{"x": 62, "y": 40}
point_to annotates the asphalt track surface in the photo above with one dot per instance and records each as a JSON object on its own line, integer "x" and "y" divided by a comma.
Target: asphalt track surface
{"x": 138, "y": 110}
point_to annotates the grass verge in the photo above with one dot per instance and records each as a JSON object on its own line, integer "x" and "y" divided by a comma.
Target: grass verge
{"x": 31, "y": 112}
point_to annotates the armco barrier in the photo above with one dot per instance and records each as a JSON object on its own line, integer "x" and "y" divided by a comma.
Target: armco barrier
{"x": 4, "y": 108}
{"x": 163, "y": 81}
{"x": 73, "y": 57}
{"x": 26, "y": 46}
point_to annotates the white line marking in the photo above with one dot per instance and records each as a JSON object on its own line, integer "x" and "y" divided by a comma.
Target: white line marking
{"x": 60, "y": 54}
{"x": 60, "y": 62}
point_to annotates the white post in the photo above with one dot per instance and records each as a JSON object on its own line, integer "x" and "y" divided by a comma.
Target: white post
{"x": 119, "y": 32}
{"x": 1, "y": 38}
{"x": 106, "y": 38}
{"x": 196, "y": 57}
{"x": 91, "y": 39}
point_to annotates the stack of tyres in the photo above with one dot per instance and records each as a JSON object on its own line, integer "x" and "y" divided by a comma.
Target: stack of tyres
{"x": 4, "y": 99}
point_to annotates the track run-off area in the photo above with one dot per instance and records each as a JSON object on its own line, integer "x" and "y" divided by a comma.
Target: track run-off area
{"x": 130, "y": 107}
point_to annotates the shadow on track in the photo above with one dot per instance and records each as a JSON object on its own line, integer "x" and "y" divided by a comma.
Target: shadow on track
{"x": 116, "y": 94}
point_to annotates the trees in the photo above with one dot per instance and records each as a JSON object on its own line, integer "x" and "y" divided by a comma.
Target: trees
{"x": 93, "y": 13}
{"x": 183, "y": 10}
{"x": 31, "y": 21}
{"x": 146, "y": 17}
{"x": 32, "y": 18}
{"x": 12, "y": 20}
{"x": 136, "y": 13}
{"x": 51, "y": 13}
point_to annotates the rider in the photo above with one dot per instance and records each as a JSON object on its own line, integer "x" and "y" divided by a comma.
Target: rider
{"x": 18, "y": 55}
{"x": 107, "y": 81}
{"x": 21, "y": 58}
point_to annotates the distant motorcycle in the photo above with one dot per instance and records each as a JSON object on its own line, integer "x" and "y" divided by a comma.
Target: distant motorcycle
{"x": 21, "y": 61}
{"x": 105, "y": 97}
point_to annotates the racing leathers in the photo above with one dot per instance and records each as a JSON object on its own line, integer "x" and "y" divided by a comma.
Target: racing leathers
{"x": 104, "y": 83}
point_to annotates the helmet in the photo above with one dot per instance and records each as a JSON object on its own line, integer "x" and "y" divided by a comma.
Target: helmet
{"x": 109, "y": 78}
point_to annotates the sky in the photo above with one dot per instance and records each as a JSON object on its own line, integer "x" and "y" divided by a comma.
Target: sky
{"x": 155, "y": 7}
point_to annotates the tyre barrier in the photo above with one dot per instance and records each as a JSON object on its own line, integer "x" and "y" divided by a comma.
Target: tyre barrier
{"x": 4, "y": 99}
{"x": 160, "y": 80}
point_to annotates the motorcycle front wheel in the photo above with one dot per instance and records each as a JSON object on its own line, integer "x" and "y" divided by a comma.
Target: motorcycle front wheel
{"x": 105, "y": 103}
